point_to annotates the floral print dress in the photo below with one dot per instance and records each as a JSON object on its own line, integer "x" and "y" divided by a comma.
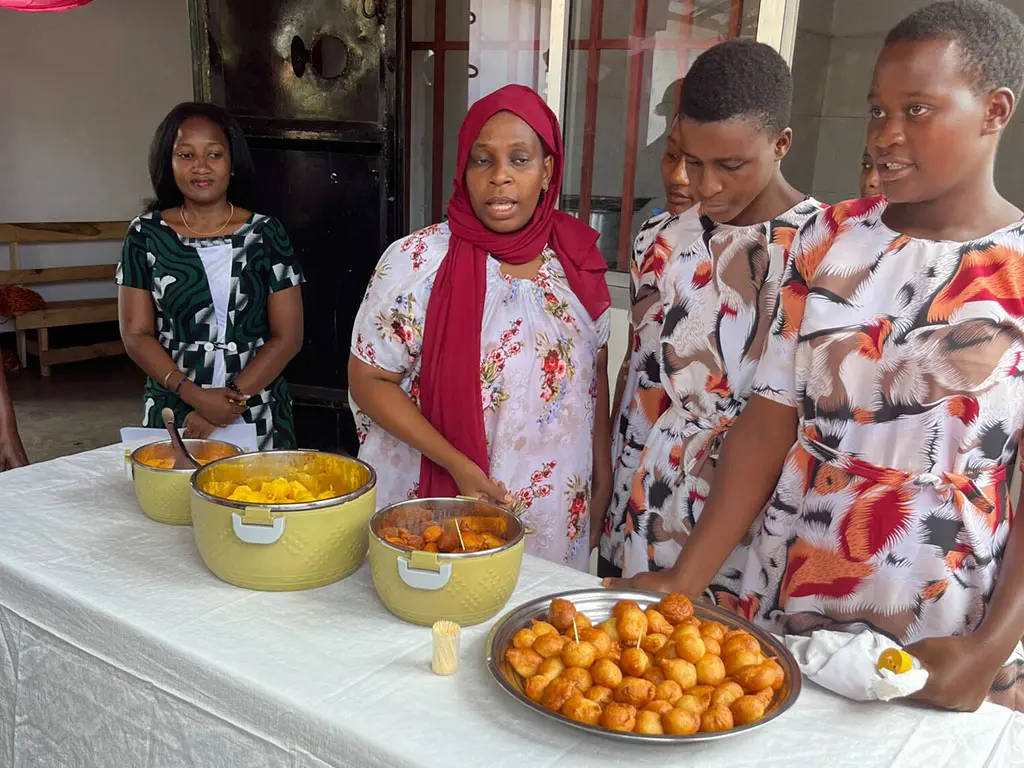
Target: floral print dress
{"x": 904, "y": 359}
{"x": 718, "y": 297}
{"x": 644, "y": 398}
{"x": 538, "y": 386}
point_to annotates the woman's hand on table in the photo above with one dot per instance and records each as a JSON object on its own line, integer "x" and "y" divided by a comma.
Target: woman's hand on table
{"x": 197, "y": 428}
{"x": 960, "y": 671}
{"x": 474, "y": 483}
{"x": 649, "y": 581}
{"x": 221, "y": 407}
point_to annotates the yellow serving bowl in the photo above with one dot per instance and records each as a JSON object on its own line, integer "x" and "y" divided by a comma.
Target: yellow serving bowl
{"x": 163, "y": 493}
{"x": 425, "y": 587}
{"x": 285, "y": 545}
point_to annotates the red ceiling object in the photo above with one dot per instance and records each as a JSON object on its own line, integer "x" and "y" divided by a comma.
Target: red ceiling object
{"x": 42, "y": 6}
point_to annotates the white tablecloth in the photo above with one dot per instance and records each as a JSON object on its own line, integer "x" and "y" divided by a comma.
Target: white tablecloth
{"x": 118, "y": 648}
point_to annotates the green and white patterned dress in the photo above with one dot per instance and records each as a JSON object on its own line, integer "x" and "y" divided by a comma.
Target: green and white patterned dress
{"x": 212, "y": 341}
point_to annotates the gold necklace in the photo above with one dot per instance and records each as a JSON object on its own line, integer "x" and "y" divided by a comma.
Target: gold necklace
{"x": 219, "y": 229}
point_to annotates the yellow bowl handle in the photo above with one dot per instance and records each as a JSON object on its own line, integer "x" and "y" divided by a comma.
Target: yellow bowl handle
{"x": 129, "y": 471}
{"x": 257, "y": 526}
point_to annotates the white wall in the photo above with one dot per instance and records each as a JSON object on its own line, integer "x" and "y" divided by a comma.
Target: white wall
{"x": 836, "y": 46}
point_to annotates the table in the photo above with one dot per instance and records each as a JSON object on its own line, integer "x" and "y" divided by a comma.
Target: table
{"x": 118, "y": 648}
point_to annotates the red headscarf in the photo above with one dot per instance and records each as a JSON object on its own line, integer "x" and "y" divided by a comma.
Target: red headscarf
{"x": 450, "y": 364}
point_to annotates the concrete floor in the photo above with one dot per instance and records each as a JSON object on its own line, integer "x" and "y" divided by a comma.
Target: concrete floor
{"x": 81, "y": 406}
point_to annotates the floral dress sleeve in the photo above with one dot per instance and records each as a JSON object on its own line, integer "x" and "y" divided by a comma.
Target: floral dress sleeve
{"x": 388, "y": 331}
{"x": 135, "y": 270}
{"x": 285, "y": 271}
{"x": 775, "y": 378}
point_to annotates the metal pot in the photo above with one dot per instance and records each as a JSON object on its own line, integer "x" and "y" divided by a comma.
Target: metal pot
{"x": 163, "y": 494}
{"x": 425, "y": 587}
{"x": 284, "y": 546}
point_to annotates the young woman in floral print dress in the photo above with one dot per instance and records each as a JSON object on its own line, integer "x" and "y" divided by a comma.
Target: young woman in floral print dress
{"x": 479, "y": 353}
{"x": 717, "y": 293}
{"x": 639, "y": 396}
{"x": 888, "y": 407}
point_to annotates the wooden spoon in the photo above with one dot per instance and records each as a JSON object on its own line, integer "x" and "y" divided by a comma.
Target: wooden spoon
{"x": 182, "y": 458}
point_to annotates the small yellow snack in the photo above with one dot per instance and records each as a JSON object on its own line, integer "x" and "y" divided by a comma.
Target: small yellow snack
{"x": 896, "y": 660}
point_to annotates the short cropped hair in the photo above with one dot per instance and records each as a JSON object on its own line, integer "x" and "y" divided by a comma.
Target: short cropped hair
{"x": 989, "y": 36}
{"x": 739, "y": 79}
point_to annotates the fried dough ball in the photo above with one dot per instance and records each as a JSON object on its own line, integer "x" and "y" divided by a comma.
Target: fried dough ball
{"x": 541, "y": 628}
{"x": 739, "y": 659}
{"x": 550, "y": 646}
{"x": 714, "y": 629}
{"x": 619, "y": 717}
{"x": 704, "y": 694}
{"x": 711, "y": 645}
{"x": 668, "y": 652}
{"x": 535, "y": 687}
{"x": 632, "y": 624}
{"x": 551, "y": 668}
{"x": 561, "y": 613}
{"x": 615, "y": 653}
{"x": 597, "y": 638}
{"x": 524, "y": 662}
{"x": 582, "y": 622}
{"x": 668, "y": 690}
{"x": 582, "y": 710}
{"x": 610, "y": 626}
{"x": 680, "y": 722}
{"x": 658, "y": 705}
{"x": 583, "y": 679}
{"x": 780, "y": 674}
{"x": 691, "y": 703}
{"x": 657, "y": 623}
{"x": 649, "y": 723}
{"x": 682, "y": 631}
{"x": 581, "y": 654}
{"x": 524, "y": 639}
{"x": 634, "y": 662}
{"x": 726, "y": 694}
{"x": 635, "y": 691}
{"x": 746, "y": 710}
{"x": 691, "y": 648}
{"x": 710, "y": 671}
{"x": 557, "y": 693}
{"x": 756, "y": 677}
{"x": 602, "y": 694}
{"x": 740, "y": 641}
{"x": 675, "y": 608}
{"x": 606, "y": 672}
{"x": 622, "y": 605}
{"x": 654, "y": 643}
{"x": 431, "y": 546}
{"x": 716, "y": 719}
{"x": 680, "y": 671}
{"x": 765, "y": 696}
{"x": 654, "y": 674}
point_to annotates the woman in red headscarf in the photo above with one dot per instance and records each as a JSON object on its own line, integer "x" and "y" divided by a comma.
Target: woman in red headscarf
{"x": 479, "y": 355}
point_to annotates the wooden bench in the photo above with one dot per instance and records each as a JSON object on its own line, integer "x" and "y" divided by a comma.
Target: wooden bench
{"x": 58, "y": 314}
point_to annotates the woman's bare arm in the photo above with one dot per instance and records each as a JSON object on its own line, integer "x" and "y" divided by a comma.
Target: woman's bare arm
{"x": 601, "y": 491}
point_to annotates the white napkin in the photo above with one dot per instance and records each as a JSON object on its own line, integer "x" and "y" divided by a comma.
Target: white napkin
{"x": 847, "y": 664}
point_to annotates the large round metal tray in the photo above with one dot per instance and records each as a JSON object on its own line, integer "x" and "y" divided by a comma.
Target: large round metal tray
{"x": 597, "y": 605}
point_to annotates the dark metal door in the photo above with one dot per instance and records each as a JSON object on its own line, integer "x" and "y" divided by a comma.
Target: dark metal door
{"x": 315, "y": 86}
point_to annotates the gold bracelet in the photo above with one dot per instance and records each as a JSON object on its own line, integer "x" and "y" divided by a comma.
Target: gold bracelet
{"x": 168, "y": 376}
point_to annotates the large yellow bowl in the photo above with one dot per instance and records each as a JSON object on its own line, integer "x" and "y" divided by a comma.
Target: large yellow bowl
{"x": 163, "y": 494}
{"x": 425, "y": 587}
{"x": 284, "y": 546}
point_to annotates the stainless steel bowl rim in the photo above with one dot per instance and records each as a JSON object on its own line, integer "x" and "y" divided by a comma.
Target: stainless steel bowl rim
{"x": 292, "y": 506}
{"x": 518, "y": 615}
{"x": 136, "y": 463}
{"x": 445, "y": 555}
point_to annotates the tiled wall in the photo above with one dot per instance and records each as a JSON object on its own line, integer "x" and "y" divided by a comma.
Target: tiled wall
{"x": 836, "y": 46}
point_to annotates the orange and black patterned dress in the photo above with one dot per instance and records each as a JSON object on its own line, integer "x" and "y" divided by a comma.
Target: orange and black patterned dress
{"x": 904, "y": 359}
{"x": 718, "y": 296}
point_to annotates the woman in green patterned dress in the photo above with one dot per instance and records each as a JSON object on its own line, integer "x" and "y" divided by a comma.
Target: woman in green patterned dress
{"x": 209, "y": 299}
